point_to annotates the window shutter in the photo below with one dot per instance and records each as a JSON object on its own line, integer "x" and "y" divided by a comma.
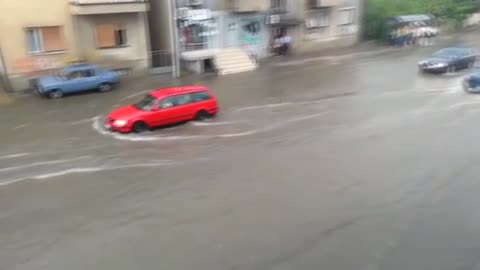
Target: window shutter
{"x": 106, "y": 35}
{"x": 53, "y": 39}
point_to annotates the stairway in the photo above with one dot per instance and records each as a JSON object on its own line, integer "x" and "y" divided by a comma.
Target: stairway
{"x": 233, "y": 60}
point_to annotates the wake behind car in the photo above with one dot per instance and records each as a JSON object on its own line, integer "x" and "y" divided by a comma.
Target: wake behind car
{"x": 76, "y": 79}
{"x": 449, "y": 60}
{"x": 164, "y": 107}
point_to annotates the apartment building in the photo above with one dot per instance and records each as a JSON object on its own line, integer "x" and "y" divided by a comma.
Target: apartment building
{"x": 317, "y": 24}
{"x": 41, "y": 36}
{"x": 214, "y": 33}
{"x": 112, "y": 29}
{"x": 211, "y": 31}
{"x": 34, "y": 35}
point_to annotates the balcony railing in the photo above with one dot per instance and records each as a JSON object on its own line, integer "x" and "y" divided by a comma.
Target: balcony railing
{"x": 312, "y": 4}
{"x": 92, "y": 7}
{"x": 96, "y": 2}
{"x": 249, "y": 5}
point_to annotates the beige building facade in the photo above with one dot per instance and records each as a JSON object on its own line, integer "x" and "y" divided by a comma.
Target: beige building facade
{"x": 40, "y": 36}
{"x": 317, "y": 24}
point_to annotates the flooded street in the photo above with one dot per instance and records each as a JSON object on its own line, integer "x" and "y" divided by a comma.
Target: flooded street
{"x": 350, "y": 162}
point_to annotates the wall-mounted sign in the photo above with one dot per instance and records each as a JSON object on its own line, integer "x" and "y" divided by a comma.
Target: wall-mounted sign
{"x": 198, "y": 14}
{"x": 273, "y": 19}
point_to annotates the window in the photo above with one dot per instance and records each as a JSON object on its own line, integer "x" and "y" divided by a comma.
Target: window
{"x": 111, "y": 36}
{"x": 279, "y": 5}
{"x": 175, "y": 101}
{"x": 88, "y": 73}
{"x": 168, "y": 103}
{"x": 318, "y": 19}
{"x": 200, "y": 96}
{"x": 312, "y": 4}
{"x": 75, "y": 75}
{"x": 346, "y": 16}
{"x": 81, "y": 74}
{"x": 45, "y": 39}
{"x": 120, "y": 37}
{"x": 145, "y": 104}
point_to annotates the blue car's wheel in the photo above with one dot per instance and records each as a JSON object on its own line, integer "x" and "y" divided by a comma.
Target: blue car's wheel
{"x": 451, "y": 69}
{"x": 471, "y": 64}
{"x": 54, "y": 94}
{"x": 105, "y": 87}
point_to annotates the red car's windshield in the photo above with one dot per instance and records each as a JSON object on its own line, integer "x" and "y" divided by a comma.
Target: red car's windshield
{"x": 145, "y": 104}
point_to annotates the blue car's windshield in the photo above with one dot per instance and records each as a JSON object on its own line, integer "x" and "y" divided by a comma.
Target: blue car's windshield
{"x": 145, "y": 104}
{"x": 447, "y": 53}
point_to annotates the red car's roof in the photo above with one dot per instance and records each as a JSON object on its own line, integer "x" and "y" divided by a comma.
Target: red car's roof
{"x": 177, "y": 90}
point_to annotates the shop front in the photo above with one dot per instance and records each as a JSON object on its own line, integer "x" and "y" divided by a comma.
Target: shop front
{"x": 198, "y": 37}
{"x": 281, "y": 25}
{"x": 247, "y": 31}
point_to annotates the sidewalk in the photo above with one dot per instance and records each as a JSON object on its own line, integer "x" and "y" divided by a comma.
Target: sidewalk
{"x": 363, "y": 48}
{"x": 370, "y": 48}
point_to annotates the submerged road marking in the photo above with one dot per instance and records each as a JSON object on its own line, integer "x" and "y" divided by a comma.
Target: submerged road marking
{"x": 41, "y": 163}
{"x": 86, "y": 170}
{"x": 15, "y": 156}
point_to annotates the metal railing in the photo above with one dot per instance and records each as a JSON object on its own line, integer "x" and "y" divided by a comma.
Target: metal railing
{"x": 187, "y": 47}
{"x": 161, "y": 59}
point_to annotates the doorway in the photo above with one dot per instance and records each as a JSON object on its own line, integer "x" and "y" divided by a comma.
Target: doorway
{"x": 208, "y": 65}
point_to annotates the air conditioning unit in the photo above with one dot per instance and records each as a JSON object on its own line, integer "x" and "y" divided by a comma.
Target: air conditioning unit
{"x": 194, "y": 2}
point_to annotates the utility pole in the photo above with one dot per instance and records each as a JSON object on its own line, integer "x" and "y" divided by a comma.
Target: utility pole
{"x": 174, "y": 39}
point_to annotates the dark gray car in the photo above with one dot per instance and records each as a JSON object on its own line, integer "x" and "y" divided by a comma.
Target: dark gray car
{"x": 449, "y": 60}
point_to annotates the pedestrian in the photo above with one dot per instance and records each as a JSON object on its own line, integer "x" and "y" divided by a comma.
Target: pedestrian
{"x": 410, "y": 37}
{"x": 285, "y": 42}
{"x": 414, "y": 35}
{"x": 398, "y": 37}
{"x": 403, "y": 36}
{"x": 277, "y": 45}
{"x": 421, "y": 35}
{"x": 429, "y": 36}
{"x": 435, "y": 32}
{"x": 393, "y": 37}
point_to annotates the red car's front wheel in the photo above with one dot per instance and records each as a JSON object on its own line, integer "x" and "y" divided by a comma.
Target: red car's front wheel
{"x": 139, "y": 127}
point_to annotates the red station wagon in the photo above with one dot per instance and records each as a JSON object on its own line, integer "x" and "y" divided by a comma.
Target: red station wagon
{"x": 163, "y": 107}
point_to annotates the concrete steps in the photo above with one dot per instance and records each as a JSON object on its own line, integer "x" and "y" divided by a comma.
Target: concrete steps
{"x": 233, "y": 60}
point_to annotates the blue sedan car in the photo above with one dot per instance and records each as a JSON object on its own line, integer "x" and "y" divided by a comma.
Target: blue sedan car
{"x": 449, "y": 60}
{"x": 76, "y": 79}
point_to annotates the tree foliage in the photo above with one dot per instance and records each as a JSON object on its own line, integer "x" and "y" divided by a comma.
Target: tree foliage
{"x": 454, "y": 12}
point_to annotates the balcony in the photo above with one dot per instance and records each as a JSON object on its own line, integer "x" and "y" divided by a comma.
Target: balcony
{"x": 249, "y": 5}
{"x": 313, "y": 4}
{"x": 93, "y": 7}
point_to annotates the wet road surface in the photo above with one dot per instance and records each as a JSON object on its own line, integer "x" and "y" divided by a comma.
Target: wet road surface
{"x": 355, "y": 162}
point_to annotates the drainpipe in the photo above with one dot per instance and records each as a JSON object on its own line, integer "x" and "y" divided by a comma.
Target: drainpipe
{"x": 4, "y": 78}
{"x": 174, "y": 38}
{"x": 362, "y": 5}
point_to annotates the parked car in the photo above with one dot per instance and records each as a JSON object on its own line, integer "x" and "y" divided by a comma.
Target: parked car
{"x": 76, "y": 79}
{"x": 163, "y": 107}
{"x": 472, "y": 83}
{"x": 449, "y": 60}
